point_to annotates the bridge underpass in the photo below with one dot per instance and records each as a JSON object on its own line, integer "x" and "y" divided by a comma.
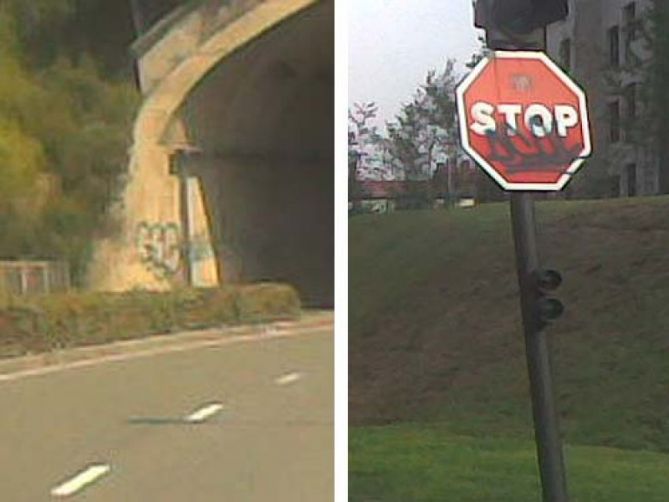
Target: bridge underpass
{"x": 239, "y": 97}
{"x": 261, "y": 126}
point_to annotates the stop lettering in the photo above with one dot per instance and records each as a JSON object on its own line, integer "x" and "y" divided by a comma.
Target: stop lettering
{"x": 540, "y": 120}
{"x": 523, "y": 120}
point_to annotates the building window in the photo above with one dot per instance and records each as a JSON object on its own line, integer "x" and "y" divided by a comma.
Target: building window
{"x": 565, "y": 53}
{"x": 614, "y": 186}
{"x": 630, "y": 20}
{"x": 614, "y": 122}
{"x": 631, "y": 179}
{"x": 648, "y": 178}
{"x": 630, "y": 28}
{"x": 630, "y": 104}
{"x": 614, "y": 47}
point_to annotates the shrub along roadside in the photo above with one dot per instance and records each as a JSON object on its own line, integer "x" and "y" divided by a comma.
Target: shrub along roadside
{"x": 40, "y": 324}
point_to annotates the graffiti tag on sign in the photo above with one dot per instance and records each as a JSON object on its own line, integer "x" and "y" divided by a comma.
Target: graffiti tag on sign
{"x": 530, "y": 152}
{"x": 159, "y": 247}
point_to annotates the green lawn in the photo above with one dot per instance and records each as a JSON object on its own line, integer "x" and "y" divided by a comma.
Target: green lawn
{"x": 435, "y": 340}
{"x": 435, "y": 333}
{"x": 418, "y": 463}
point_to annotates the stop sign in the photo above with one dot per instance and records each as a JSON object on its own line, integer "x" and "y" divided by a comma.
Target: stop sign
{"x": 524, "y": 121}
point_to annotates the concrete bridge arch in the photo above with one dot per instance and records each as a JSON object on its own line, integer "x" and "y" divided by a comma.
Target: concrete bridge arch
{"x": 238, "y": 100}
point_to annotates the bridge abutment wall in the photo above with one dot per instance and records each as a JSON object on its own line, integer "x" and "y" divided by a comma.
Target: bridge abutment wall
{"x": 245, "y": 89}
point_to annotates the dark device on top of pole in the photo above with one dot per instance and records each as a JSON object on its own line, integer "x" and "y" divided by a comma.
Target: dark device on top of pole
{"x": 517, "y": 24}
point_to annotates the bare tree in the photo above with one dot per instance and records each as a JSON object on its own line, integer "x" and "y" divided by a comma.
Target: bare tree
{"x": 360, "y": 136}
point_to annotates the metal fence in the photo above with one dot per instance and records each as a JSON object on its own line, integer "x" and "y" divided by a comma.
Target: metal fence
{"x": 34, "y": 277}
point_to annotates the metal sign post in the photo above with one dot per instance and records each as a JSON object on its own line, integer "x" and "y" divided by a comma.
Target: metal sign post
{"x": 179, "y": 168}
{"x": 525, "y": 122}
{"x": 546, "y": 429}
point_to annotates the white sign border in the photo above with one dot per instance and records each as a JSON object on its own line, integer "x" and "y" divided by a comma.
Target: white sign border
{"x": 488, "y": 168}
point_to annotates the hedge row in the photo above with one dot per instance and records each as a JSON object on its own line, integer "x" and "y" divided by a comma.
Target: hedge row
{"x": 39, "y": 324}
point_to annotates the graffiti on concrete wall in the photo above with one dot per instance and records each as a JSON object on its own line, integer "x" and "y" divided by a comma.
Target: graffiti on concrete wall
{"x": 159, "y": 247}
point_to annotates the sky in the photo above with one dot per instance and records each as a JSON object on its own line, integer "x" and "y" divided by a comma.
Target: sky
{"x": 394, "y": 43}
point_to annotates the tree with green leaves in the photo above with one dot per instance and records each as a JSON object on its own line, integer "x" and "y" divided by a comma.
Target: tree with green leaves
{"x": 643, "y": 73}
{"x": 65, "y": 126}
{"x": 655, "y": 92}
{"x": 424, "y": 131}
{"x": 425, "y": 125}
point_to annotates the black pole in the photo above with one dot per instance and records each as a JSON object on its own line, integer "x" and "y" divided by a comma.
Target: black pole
{"x": 546, "y": 427}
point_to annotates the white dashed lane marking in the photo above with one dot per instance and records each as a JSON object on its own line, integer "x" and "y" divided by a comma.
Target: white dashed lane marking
{"x": 84, "y": 478}
{"x": 288, "y": 378}
{"x": 204, "y": 413}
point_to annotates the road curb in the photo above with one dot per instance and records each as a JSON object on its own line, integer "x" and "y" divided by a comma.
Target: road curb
{"x": 15, "y": 368}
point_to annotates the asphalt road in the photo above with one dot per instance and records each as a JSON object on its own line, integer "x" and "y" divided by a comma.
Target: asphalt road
{"x": 249, "y": 421}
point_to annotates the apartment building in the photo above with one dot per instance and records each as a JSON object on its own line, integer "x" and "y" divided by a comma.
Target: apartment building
{"x": 601, "y": 45}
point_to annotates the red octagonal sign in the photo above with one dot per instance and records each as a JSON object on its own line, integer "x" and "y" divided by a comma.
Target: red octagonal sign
{"x": 524, "y": 121}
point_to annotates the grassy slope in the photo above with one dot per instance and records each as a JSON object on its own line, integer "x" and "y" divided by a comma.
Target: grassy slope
{"x": 435, "y": 330}
{"x": 424, "y": 464}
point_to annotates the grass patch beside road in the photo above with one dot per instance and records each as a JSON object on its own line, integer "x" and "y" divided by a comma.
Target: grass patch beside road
{"x": 421, "y": 463}
{"x": 435, "y": 331}
{"x": 40, "y": 324}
